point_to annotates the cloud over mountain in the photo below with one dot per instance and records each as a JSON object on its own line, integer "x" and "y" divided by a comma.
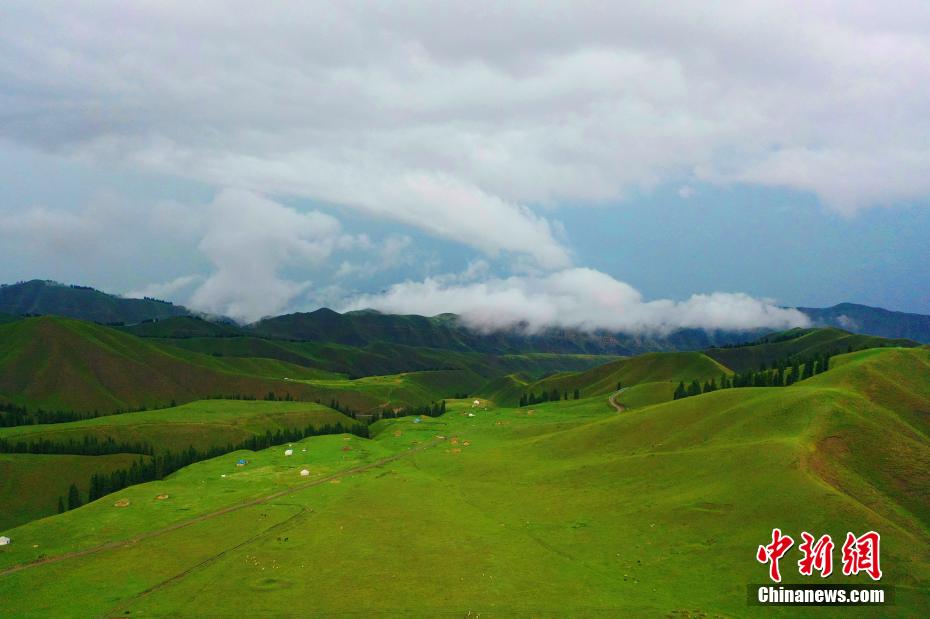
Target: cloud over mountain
{"x": 577, "y": 298}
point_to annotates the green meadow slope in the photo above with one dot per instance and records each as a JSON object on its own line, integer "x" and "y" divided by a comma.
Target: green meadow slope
{"x": 666, "y": 368}
{"x": 30, "y": 484}
{"x": 65, "y": 364}
{"x": 798, "y": 343}
{"x": 565, "y": 508}
{"x": 203, "y": 425}
{"x": 381, "y": 358}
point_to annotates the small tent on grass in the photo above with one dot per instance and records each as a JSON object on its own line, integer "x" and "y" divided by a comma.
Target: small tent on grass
{"x": 305, "y": 473}
{"x": 288, "y": 452}
{"x": 4, "y": 540}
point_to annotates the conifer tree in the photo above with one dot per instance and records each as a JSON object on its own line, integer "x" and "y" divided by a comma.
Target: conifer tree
{"x": 694, "y": 388}
{"x": 808, "y": 369}
{"x": 680, "y": 391}
{"x": 74, "y": 497}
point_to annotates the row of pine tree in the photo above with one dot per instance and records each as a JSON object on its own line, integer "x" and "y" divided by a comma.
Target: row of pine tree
{"x": 782, "y": 373}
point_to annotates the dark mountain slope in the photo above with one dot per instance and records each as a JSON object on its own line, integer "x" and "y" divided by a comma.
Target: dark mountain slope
{"x": 801, "y": 343}
{"x": 64, "y": 364}
{"x": 38, "y": 297}
{"x": 872, "y": 321}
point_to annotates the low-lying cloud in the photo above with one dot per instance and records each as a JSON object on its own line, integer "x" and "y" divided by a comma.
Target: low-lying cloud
{"x": 577, "y": 298}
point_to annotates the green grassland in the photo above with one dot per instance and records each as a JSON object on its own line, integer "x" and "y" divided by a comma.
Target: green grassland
{"x": 663, "y": 367}
{"x": 565, "y": 508}
{"x": 800, "y": 343}
{"x": 64, "y": 364}
{"x": 30, "y": 484}
{"x": 202, "y": 425}
{"x": 382, "y": 358}
{"x": 69, "y": 365}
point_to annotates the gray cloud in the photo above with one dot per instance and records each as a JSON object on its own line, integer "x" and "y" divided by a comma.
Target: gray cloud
{"x": 454, "y": 117}
{"x": 577, "y": 298}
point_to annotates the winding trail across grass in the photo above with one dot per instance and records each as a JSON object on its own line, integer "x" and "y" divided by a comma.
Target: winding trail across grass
{"x": 226, "y": 510}
{"x": 612, "y": 400}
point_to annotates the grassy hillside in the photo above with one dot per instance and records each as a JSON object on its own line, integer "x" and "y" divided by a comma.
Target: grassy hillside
{"x": 183, "y": 327}
{"x": 564, "y": 509}
{"x": 64, "y": 364}
{"x": 51, "y": 298}
{"x": 667, "y": 368}
{"x": 383, "y": 358}
{"x": 30, "y": 484}
{"x": 800, "y": 343}
{"x": 202, "y": 425}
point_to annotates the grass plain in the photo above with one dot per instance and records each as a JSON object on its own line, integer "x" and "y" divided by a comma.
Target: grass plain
{"x": 566, "y": 508}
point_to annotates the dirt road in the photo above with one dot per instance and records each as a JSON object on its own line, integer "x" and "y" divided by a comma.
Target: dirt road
{"x": 613, "y": 400}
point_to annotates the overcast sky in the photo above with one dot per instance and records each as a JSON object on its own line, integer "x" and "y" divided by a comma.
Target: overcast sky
{"x": 629, "y": 165}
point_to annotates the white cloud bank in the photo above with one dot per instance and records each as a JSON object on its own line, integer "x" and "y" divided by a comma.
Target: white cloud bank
{"x": 453, "y": 117}
{"x": 577, "y": 298}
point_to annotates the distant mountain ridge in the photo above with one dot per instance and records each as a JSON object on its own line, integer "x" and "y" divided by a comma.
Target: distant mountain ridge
{"x": 43, "y": 297}
{"x": 871, "y": 321}
{"x": 154, "y": 318}
{"x": 360, "y": 328}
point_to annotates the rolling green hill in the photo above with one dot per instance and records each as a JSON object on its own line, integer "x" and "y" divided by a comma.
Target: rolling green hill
{"x": 40, "y": 297}
{"x": 64, "y": 364}
{"x": 202, "y": 425}
{"x": 667, "y": 368}
{"x": 569, "y": 509}
{"x": 382, "y": 358}
{"x": 799, "y": 343}
{"x": 31, "y": 483}
{"x": 183, "y": 327}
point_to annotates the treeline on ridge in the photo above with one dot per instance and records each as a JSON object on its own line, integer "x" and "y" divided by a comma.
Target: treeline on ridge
{"x": 783, "y": 373}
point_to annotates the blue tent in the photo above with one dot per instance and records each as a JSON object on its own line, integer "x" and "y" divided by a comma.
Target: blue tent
{"x": 242, "y": 461}
{"x": 417, "y": 420}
